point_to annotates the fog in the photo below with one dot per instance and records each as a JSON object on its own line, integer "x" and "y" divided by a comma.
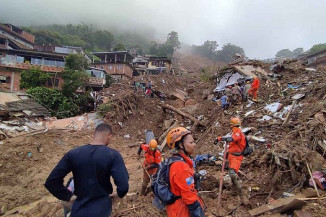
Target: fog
{"x": 260, "y": 27}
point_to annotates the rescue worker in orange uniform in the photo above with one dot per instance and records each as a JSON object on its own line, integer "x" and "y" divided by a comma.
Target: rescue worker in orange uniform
{"x": 254, "y": 89}
{"x": 181, "y": 176}
{"x": 235, "y": 157}
{"x": 151, "y": 162}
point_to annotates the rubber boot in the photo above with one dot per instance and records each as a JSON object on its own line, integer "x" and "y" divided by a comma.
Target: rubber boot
{"x": 244, "y": 198}
{"x": 236, "y": 181}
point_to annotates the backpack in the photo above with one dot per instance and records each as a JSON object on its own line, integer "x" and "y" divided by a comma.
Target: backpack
{"x": 248, "y": 150}
{"x": 161, "y": 182}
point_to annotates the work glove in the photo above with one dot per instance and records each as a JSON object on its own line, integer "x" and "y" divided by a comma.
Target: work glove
{"x": 226, "y": 138}
{"x": 195, "y": 210}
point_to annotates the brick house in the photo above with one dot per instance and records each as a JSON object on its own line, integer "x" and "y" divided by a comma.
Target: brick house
{"x": 118, "y": 64}
{"x": 13, "y": 62}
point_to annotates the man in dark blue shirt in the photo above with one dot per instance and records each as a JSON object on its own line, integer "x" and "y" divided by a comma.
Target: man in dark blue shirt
{"x": 92, "y": 166}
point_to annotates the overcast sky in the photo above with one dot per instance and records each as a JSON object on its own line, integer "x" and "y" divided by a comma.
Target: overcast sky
{"x": 261, "y": 27}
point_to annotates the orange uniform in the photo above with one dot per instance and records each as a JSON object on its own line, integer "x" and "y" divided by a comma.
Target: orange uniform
{"x": 151, "y": 157}
{"x": 182, "y": 184}
{"x": 237, "y": 146}
{"x": 254, "y": 88}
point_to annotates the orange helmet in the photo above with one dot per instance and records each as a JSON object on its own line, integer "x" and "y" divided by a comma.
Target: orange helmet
{"x": 235, "y": 122}
{"x": 152, "y": 144}
{"x": 176, "y": 135}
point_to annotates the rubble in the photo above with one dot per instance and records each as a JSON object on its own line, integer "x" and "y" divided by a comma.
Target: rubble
{"x": 276, "y": 169}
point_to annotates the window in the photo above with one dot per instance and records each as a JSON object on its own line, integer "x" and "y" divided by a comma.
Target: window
{"x": 119, "y": 66}
{"x": 52, "y": 81}
{"x": 110, "y": 67}
{"x": 102, "y": 67}
{"x": 36, "y": 61}
{"x": 4, "y": 79}
{"x": 20, "y": 59}
{"x": 56, "y": 82}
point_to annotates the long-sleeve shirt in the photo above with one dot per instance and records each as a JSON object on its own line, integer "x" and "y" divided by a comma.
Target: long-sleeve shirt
{"x": 255, "y": 84}
{"x": 182, "y": 184}
{"x": 91, "y": 166}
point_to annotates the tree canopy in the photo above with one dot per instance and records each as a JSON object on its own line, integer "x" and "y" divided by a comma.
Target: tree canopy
{"x": 33, "y": 77}
{"x": 317, "y": 48}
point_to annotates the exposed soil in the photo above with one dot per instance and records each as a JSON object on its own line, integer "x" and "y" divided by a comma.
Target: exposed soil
{"x": 276, "y": 166}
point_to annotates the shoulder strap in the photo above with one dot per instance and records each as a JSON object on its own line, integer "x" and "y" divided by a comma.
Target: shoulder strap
{"x": 173, "y": 159}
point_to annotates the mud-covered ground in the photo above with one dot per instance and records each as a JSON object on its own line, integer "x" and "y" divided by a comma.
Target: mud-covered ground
{"x": 22, "y": 175}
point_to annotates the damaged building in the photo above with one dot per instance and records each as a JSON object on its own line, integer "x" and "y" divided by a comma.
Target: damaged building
{"x": 118, "y": 64}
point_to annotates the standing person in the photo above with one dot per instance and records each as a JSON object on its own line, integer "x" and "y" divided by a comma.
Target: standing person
{"x": 181, "y": 176}
{"x": 148, "y": 92}
{"x": 137, "y": 86}
{"x": 151, "y": 162}
{"x": 254, "y": 89}
{"x": 235, "y": 156}
{"x": 224, "y": 102}
{"x": 92, "y": 165}
{"x": 149, "y": 84}
{"x": 246, "y": 90}
{"x": 235, "y": 93}
{"x": 228, "y": 92}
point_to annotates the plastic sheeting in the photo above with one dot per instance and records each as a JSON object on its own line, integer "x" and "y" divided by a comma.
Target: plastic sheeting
{"x": 229, "y": 78}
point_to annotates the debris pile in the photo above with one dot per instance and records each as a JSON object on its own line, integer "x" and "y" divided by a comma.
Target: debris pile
{"x": 287, "y": 129}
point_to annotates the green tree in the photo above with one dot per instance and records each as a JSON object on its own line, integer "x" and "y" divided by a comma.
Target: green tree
{"x": 208, "y": 49}
{"x": 108, "y": 80}
{"x": 119, "y": 47}
{"x": 74, "y": 75}
{"x": 317, "y": 48}
{"x": 72, "y": 80}
{"x": 228, "y": 51}
{"x": 284, "y": 53}
{"x": 104, "y": 40}
{"x": 33, "y": 77}
{"x": 76, "y": 62}
{"x": 297, "y": 52}
{"x": 59, "y": 105}
{"x": 172, "y": 40}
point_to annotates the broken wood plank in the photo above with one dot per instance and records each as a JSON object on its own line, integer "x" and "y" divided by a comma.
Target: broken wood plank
{"x": 276, "y": 205}
{"x": 312, "y": 178}
{"x": 163, "y": 136}
{"x": 301, "y": 213}
{"x": 290, "y": 110}
{"x": 294, "y": 205}
{"x": 183, "y": 114}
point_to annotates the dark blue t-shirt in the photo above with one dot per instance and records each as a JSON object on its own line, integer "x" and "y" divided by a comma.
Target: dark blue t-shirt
{"x": 91, "y": 166}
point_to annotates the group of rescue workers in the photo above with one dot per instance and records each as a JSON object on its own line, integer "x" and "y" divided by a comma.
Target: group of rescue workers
{"x": 238, "y": 93}
{"x": 90, "y": 192}
{"x": 182, "y": 173}
{"x": 92, "y": 165}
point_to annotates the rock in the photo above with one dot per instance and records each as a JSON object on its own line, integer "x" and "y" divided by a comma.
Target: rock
{"x": 210, "y": 97}
{"x": 320, "y": 117}
{"x": 190, "y": 109}
{"x": 190, "y": 102}
{"x": 205, "y": 93}
{"x": 178, "y": 103}
{"x": 167, "y": 124}
{"x": 127, "y": 136}
{"x": 3, "y": 209}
